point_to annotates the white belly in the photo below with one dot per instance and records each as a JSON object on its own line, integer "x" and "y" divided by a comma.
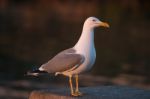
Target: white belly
{"x": 90, "y": 56}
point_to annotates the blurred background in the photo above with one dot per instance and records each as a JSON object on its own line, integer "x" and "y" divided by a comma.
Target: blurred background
{"x": 33, "y": 31}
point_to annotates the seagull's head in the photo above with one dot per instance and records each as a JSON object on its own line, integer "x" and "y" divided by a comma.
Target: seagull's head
{"x": 93, "y": 22}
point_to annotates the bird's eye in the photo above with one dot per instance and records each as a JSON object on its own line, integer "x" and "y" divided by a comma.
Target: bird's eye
{"x": 93, "y": 20}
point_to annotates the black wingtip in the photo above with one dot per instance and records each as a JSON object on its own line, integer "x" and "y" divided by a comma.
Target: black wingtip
{"x": 35, "y": 72}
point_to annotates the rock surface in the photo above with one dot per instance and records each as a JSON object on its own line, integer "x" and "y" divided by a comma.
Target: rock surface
{"x": 100, "y": 92}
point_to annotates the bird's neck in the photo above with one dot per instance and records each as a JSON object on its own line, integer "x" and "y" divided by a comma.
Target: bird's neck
{"x": 86, "y": 40}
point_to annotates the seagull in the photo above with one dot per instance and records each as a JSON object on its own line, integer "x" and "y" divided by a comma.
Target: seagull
{"x": 77, "y": 59}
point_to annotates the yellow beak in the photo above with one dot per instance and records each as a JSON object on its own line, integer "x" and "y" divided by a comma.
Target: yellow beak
{"x": 104, "y": 24}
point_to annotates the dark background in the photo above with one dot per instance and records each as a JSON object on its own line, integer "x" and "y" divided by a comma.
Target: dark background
{"x": 33, "y": 31}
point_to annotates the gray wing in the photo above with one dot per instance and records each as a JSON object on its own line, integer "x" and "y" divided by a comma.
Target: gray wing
{"x": 63, "y": 61}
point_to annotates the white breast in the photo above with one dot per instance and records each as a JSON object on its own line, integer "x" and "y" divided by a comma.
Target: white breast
{"x": 85, "y": 46}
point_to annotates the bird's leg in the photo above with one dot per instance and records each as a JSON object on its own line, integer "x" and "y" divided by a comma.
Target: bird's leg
{"x": 77, "y": 92}
{"x": 71, "y": 87}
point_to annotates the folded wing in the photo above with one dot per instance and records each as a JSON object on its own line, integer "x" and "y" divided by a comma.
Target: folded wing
{"x": 63, "y": 61}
